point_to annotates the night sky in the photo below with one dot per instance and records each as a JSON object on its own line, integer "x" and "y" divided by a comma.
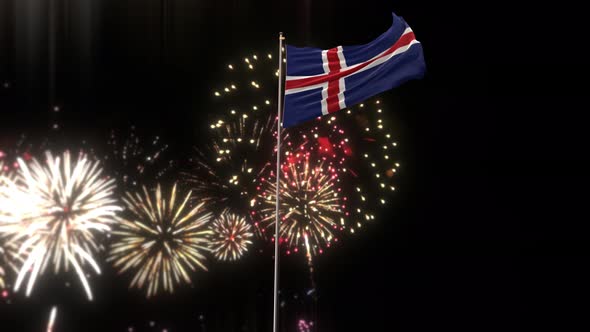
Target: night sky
{"x": 470, "y": 241}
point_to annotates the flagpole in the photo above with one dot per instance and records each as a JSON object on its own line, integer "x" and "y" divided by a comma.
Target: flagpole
{"x": 275, "y": 320}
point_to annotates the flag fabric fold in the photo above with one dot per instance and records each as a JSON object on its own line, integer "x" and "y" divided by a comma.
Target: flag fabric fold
{"x": 321, "y": 82}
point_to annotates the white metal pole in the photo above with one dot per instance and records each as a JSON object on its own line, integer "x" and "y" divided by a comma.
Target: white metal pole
{"x": 275, "y": 325}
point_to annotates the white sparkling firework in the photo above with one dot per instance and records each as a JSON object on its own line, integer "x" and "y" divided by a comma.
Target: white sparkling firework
{"x": 231, "y": 237}
{"x": 56, "y": 209}
{"x": 161, "y": 239}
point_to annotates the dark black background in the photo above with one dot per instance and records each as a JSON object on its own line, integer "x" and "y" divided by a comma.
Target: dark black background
{"x": 486, "y": 232}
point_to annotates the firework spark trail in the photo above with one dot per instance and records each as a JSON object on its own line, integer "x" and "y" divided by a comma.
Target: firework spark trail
{"x": 231, "y": 237}
{"x": 135, "y": 159}
{"x": 374, "y": 161}
{"x": 309, "y": 257}
{"x": 57, "y": 208}
{"x": 52, "y": 316}
{"x": 9, "y": 260}
{"x": 161, "y": 239}
{"x": 2, "y": 274}
{"x": 2, "y": 250}
{"x": 9, "y": 255}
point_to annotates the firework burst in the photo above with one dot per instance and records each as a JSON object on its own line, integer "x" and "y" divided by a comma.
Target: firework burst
{"x": 231, "y": 237}
{"x": 56, "y": 209}
{"x": 161, "y": 238}
{"x": 312, "y": 207}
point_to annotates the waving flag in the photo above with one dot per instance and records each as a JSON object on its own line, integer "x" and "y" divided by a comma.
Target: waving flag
{"x": 320, "y": 82}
